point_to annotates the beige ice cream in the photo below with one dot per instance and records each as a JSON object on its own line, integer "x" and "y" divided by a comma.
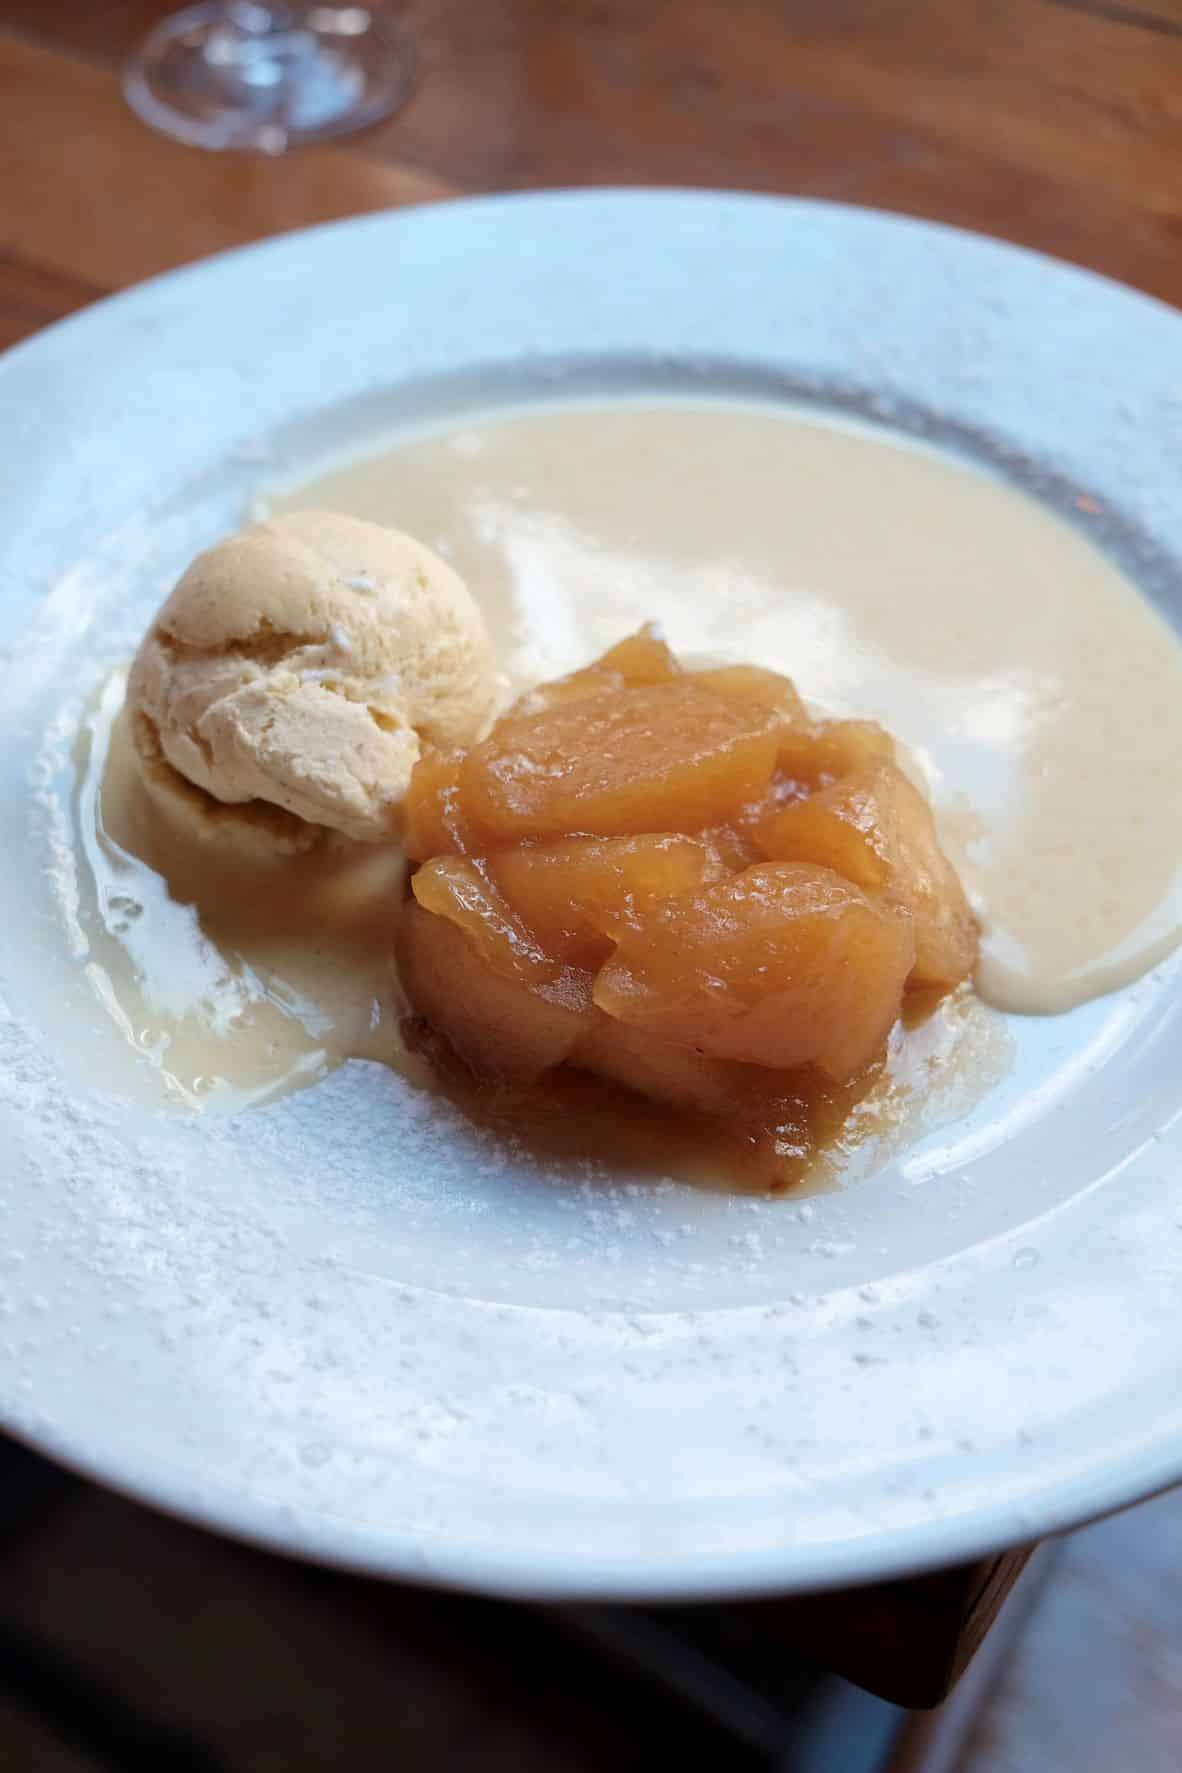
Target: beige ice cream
{"x": 296, "y": 671}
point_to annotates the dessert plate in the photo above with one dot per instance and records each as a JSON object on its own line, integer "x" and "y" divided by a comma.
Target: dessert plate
{"x": 345, "y": 1325}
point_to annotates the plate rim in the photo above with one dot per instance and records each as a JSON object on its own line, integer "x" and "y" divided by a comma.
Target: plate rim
{"x": 560, "y": 196}
{"x": 894, "y": 1552}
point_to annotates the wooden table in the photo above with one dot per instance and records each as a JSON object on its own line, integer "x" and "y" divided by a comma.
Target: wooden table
{"x": 1056, "y": 123}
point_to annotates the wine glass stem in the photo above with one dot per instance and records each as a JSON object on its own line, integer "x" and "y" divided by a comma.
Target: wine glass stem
{"x": 256, "y": 45}
{"x": 257, "y": 20}
{"x": 250, "y": 74}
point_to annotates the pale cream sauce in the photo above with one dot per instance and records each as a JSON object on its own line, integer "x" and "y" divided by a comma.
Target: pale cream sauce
{"x": 1038, "y": 691}
{"x": 1041, "y": 697}
{"x": 235, "y": 976}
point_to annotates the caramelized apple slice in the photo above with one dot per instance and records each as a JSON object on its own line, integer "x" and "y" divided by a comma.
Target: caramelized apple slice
{"x": 501, "y": 1027}
{"x": 638, "y": 659}
{"x": 783, "y": 965}
{"x": 819, "y": 753}
{"x": 458, "y": 889}
{"x": 677, "y": 1075}
{"x": 849, "y": 827}
{"x": 664, "y": 757}
{"x": 876, "y": 829}
{"x": 574, "y": 893}
{"x": 731, "y": 849}
{"x": 810, "y": 757}
{"x": 928, "y": 885}
{"x": 433, "y": 823}
{"x": 590, "y": 681}
{"x": 751, "y": 683}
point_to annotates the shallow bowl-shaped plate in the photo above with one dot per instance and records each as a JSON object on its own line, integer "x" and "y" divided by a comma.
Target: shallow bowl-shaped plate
{"x": 340, "y": 1325}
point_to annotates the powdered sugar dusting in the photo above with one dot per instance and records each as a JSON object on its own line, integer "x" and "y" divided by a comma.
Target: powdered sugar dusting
{"x": 710, "y": 1429}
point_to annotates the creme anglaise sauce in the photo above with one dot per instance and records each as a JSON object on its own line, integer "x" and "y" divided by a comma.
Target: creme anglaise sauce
{"x": 1035, "y": 690}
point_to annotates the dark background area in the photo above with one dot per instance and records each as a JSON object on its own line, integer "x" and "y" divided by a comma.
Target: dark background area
{"x": 135, "y": 1643}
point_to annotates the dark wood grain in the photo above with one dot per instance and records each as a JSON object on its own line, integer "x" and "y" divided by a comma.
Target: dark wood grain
{"x": 31, "y": 295}
{"x": 1058, "y": 125}
{"x": 909, "y": 1642}
{"x": 89, "y": 196}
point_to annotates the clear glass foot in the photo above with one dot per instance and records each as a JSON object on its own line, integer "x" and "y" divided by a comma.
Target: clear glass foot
{"x": 241, "y": 75}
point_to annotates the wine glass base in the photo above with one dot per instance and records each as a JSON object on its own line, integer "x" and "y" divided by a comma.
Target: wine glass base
{"x": 208, "y": 84}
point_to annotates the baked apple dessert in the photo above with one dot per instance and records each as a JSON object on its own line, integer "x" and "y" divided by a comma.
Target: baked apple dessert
{"x": 683, "y": 882}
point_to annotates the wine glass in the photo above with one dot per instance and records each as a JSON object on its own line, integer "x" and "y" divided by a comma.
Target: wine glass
{"x": 240, "y": 74}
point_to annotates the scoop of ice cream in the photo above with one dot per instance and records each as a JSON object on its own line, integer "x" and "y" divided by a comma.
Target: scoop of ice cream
{"x": 303, "y": 664}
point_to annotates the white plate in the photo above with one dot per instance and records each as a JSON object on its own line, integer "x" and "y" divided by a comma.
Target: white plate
{"x": 327, "y": 1327}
